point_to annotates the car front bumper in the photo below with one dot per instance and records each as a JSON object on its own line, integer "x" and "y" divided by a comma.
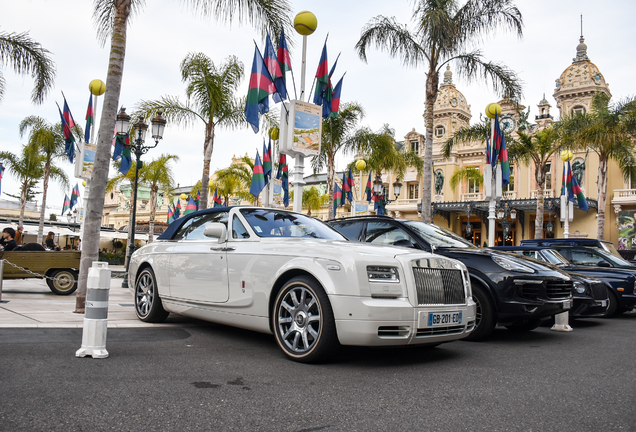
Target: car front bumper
{"x": 392, "y": 322}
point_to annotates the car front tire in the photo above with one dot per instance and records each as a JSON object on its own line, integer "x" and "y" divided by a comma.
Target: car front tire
{"x": 303, "y": 321}
{"x": 148, "y": 305}
{"x": 485, "y": 320}
{"x": 612, "y": 304}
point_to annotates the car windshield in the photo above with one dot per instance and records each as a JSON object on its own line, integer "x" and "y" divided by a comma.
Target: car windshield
{"x": 438, "y": 237}
{"x": 280, "y": 223}
{"x": 609, "y": 247}
{"x": 554, "y": 257}
{"x": 613, "y": 259}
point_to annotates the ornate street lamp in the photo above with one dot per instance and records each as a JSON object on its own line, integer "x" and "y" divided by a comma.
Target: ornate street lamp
{"x": 378, "y": 188}
{"x": 502, "y": 214}
{"x": 137, "y": 146}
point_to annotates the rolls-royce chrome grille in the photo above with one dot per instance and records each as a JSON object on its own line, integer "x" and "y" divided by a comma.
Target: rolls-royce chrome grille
{"x": 437, "y": 286}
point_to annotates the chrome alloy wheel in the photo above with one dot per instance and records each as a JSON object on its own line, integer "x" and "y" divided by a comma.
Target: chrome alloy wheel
{"x": 299, "y": 320}
{"x": 477, "y": 311}
{"x": 143, "y": 294}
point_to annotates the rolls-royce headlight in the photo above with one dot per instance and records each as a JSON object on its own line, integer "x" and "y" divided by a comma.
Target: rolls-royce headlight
{"x": 382, "y": 274}
{"x": 512, "y": 265}
{"x": 579, "y": 287}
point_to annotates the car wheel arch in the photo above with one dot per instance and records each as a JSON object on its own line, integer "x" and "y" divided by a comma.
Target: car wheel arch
{"x": 280, "y": 283}
{"x": 476, "y": 280}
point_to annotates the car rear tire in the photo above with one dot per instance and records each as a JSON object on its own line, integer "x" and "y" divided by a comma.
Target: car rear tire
{"x": 612, "y": 304}
{"x": 524, "y": 326}
{"x": 64, "y": 281}
{"x": 485, "y": 320}
{"x": 303, "y": 321}
{"x": 148, "y": 306}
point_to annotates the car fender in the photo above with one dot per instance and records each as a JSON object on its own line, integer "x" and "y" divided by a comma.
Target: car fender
{"x": 321, "y": 269}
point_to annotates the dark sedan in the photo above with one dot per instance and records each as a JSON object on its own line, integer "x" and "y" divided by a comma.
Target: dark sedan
{"x": 512, "y": 291}
{"x": 621, "y": 279}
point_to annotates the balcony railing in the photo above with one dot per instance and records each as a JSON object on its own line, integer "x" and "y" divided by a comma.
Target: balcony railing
{"x": 624, "y": 193}
{"x": 548, "y": 193}
{"x": 510, "y": 195}
{"x": 475, "y": 196}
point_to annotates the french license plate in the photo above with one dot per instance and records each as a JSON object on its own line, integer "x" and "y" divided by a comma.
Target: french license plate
{"x": 567, "y": 304}
{"x": 444, "y": 318}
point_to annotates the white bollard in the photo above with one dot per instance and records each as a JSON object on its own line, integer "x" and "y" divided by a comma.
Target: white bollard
{"x": 96, "y": 312}
{"x": 561, "y": 322}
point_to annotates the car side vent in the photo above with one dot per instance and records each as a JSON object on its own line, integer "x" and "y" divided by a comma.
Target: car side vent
{"x": 439, "y": 286}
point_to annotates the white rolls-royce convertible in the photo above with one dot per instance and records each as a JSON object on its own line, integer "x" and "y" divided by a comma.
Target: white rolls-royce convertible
{"x": 289, "y": 274}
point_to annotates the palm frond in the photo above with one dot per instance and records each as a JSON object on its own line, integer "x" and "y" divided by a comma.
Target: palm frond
{"x": 392, "y": 37}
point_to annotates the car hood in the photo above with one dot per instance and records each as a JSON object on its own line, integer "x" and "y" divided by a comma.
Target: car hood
{"x": 484, "y": 252}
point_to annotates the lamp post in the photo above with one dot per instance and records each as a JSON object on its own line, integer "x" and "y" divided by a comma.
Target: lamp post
{"x": 502, "y": 214}
{"x": 137, "y": 146}
{"x": 378, "y": 188}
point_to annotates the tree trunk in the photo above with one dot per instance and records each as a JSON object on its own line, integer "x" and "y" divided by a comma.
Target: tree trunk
{"x": 23, "y": 200}
{"x": 538, "y": 221}
{"x": 432, "y": 81}
{"x": 45, "y": 188}
{"x": 130, "y": 228}
{"x": 153, "y": 211}
{"x": 207, "y": 156}
{"x": 331, "y": 173}
{"x": 99, "y": 178}
{"x": 602, "y": 197}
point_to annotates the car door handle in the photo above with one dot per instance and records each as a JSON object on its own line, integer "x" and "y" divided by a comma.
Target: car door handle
{"x": 222, "y": 248}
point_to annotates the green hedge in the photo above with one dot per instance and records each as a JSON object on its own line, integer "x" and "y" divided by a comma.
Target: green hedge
{"x": 112, "y": 258}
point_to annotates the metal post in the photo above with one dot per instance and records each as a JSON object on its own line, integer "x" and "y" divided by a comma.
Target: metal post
{"x": 566, "y": 222}
{"x": 493, "y": 196}
{"x": 303, "y": 68}
{"x": 299, "y": 159}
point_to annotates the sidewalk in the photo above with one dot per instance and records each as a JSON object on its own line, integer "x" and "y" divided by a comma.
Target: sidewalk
{"x": 29, "y": 303}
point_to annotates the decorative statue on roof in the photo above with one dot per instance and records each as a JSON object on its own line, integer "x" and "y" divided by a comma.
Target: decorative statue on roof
{"x": 578, "y": 169}
{"x": 523, "y": 124}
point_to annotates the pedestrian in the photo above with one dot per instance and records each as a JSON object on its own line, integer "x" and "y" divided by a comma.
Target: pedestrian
{"x": 18, "y": 235}
{"x": 79, "y": 245}
{"x": 7, "y": 242}
{"x": 50, "y": 242}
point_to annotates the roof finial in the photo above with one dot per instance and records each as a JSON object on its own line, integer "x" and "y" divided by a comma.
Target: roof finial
{"x": 581, "y": 25}
{"x": 581, "y": 49}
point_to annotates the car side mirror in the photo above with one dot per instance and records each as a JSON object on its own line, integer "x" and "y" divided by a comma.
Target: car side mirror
{"x": 604, "y": 264}
{"x": 215, "y": 230}
{"x": 404, "y": 243}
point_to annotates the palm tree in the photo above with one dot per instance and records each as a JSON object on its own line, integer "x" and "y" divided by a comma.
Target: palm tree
{"x": 47, "y": 140}
{"x": 111, "y": 17}
{"x": 466, "y": 174}
{"x": 235, "y": 180}
{"x": 28, "y": 169}
{"x": 444, "y": 32}
{"x": 338, "y": 133}
{"x": 609, "y": 130}
{"x": 157, "y": 175}
{"x": 313, "y": 200}
{"x": 27, "y": 57}
{"x": 210, "y": 94}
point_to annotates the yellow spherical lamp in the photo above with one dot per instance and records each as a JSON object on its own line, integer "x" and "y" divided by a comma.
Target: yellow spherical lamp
{"x": 274, "y": 133}
{"x": 493, "y": 109}
{"x": 97, "y": 87}
{"x": 305, "y": 23}
{"x": 183, "y": 196}
{"x": 84, "y": 183}
{"x": 566, "y": 155}
{"x": 360, "y": 165}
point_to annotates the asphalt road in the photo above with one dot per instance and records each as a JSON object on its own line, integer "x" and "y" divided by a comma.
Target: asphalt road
{"x": 215, "y": 378}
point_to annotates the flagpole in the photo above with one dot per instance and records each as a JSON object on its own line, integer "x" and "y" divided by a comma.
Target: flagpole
{"x": 493, "y": 195}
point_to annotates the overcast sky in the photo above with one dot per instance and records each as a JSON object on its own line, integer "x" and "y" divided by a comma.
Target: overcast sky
{"x": 166, "y": 31}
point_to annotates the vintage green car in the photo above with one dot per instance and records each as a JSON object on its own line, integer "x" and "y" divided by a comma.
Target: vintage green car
{"x": 59, "y": 267}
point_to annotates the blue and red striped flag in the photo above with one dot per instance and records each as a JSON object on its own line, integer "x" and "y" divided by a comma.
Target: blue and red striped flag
{"x": 89, "y": 119}
{"x": 1, "y": 174}
{"x": 335, "y": 99}
{"x": 285, "y": 64}
{"x": 488, "y": 149}
{"x": 174, "y": 212}
{"x": 122, "y": 149}
{"x": 574, "y": 191}
{"x": 177, "y": 209}
{"x": 499, "y": 149}
{"x": 352, "y": 183}
{"x": 283, "y": 174}
{"x": 67, "y": 114}
{"x": 346, "y": 189}
{"x": 322, "y": 76}
{"x": 377, "y": 206}
{"x": 74, "y": 196}
{"x": 170, "y": 214}
{"x": 267, "y": 161}
{"x": 337, "y": 198}
{"x": 191, "y": 207}
{"x": 261, "y": 86}
{"x": 273, "y": 67}
{"x": 198, "y": 200}
{"x": 69, "y": 140}
{"x": 258, "y": 178}
{"x": 216, "y": 199}
{"x": 66, "y": 205}
{"x": 369, "y": 189}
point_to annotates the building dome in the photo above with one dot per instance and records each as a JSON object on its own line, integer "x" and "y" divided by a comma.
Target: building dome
{"x": 581, "y": 73}
{"x": 448, "y": 97}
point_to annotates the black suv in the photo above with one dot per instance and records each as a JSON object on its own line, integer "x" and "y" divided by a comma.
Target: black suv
{"x": 513, "y": 291}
